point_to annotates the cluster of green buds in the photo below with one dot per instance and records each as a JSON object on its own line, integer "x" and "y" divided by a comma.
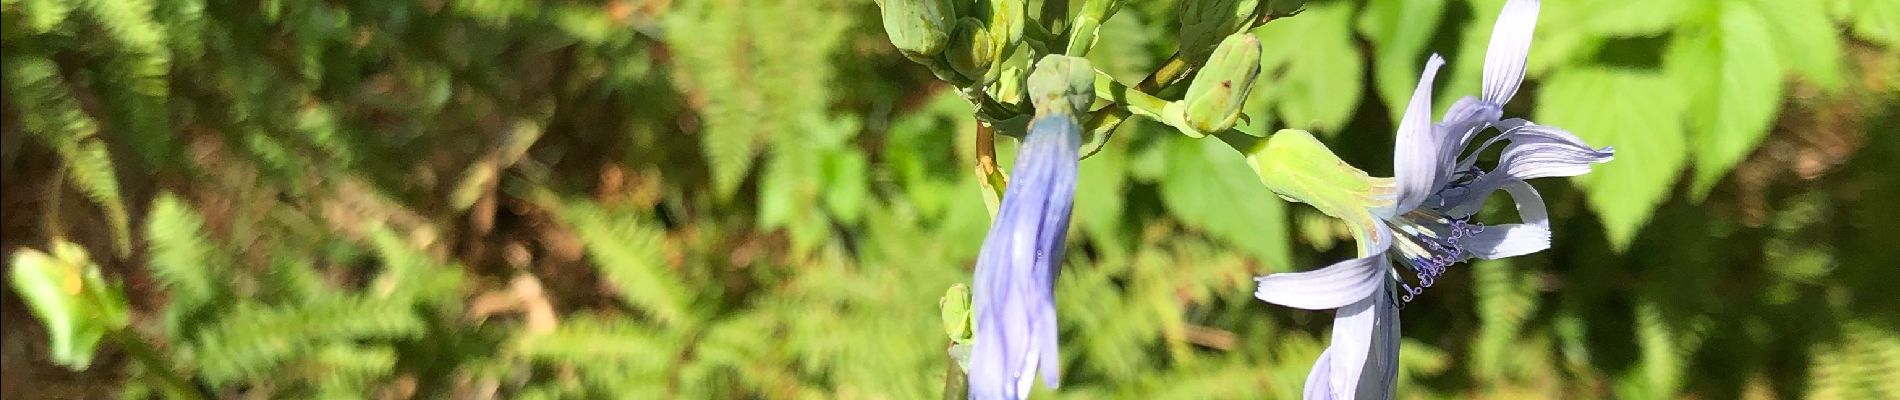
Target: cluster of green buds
{"x": 985, "y": 47}
{"x": 961, "y": 41}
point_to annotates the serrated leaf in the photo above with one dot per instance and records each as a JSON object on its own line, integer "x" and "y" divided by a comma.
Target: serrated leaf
{"x": 1636, "y": 113}
{"x": 1732, "y": 76}
{"x": 1318, "y": 86}
{"x": 1806, "y": 39}
{"x": 1209, "y": 187}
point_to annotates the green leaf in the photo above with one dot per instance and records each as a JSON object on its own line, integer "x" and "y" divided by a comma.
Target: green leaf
{"x": 51, "y": 113}
{"x": 1100, "y": 189}
{"x": 1636, "y": 113}
{"x": 1400, "y": 30}
{"x": 1806, "y": 39}
{"x": 1874, "y": 20}
{"x": 1210, "y": 188}
{"x": 1732, "y": 75}
{"x": 1318, "y": 85}
{"x": 1615, "y": 18}
{"x": 629, "y": 254}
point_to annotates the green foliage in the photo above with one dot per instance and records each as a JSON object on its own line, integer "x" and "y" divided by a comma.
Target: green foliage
{"x": 720, "y": 199}
{"x": 1645, "y": 170}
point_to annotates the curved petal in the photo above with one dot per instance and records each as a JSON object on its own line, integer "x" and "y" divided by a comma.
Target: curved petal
{"x": 1415, "y": 156}
{"x": 1463, "y": 121}
{"x": 1364, "y": 350}
{"x": 1335, "y": 286}
{"x": 1316, "y": 388}
{"x": 1507, "y": 240}
{"x": 1530, "y": 204}
{"x": 1510, "y": 44}
{"x": 1535, "y": 151}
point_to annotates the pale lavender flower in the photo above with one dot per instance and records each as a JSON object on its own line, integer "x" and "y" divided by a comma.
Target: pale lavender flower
{"x": 1016, "y": 271}
{"x": 1428, "y": 226}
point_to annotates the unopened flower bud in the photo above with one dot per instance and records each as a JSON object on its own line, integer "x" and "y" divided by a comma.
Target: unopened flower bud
{"x": 919, "y": 28}
{"x": 972, "y": 52}
{"x": 1214, "y": 100}
{"x": 1062, "y": 84}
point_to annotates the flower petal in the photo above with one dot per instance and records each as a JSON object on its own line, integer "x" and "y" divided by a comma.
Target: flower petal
{"x": 1507, "y": 240}
{"x": 1415, "y": 156}
{"x": 1335, "y": 286}
{"x": 1316, "y": 388}
{"x": 1535, "y": 151}
{"x": 1364, "y": 351}
{"x": 1510, "y": 45}
{"x": 1016, "y": 270}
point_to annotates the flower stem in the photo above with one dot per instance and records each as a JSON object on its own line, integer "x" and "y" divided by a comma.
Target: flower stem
{"x": 175, "y": 386}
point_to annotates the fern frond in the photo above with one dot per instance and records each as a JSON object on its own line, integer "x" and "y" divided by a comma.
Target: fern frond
{"x": 52, "y": 114}
{"x": 629, "y": 255}
{"x": 250, "y": 341}
{"x": 183, "y": 261}
{"x": 129, "y": 23}
{"x": 45, "y": 15}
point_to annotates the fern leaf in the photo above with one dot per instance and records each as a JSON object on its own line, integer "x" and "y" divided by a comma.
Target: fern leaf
{"x": 183, "y": 261}
{"x": 251, "y": 340}
{"x": 629, "y": 256}
{"x": 45, "y": 15}
{"x": 49, "y": 111}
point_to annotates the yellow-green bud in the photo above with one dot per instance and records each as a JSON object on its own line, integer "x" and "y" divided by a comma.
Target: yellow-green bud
{"x": 1204, "y": 23}
{"x": 1006, "y": 23}
{"x": 1062, "y": 84}
{"x": 919, "y": 28}
{"x": 1214, "y": 100}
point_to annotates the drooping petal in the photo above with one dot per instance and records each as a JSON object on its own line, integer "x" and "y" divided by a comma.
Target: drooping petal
{"x": 1316, "y": 388}
{"x": 1334, "y": 286}
{"x": 1363, "y": 355}
{"x": 1510, "y": 45}
{"x": 1507, "y": 240}
{"x": 1415, "y": 156}
{"x": 1016, "y": 270}
{"x": 1530, "y": 204}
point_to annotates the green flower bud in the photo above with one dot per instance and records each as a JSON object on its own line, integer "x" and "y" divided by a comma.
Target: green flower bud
{"x": 1006, "y": 24}
{"x": 1214, "y": 100}
{"x": 919, "y": 28}
{"x": 1204, "y": 23}
{"x": 1062, "y": 84}
{"x": 971, "y": 52}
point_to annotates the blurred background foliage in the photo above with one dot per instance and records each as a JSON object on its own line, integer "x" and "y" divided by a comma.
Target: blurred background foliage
{"x": 762, "y": 199}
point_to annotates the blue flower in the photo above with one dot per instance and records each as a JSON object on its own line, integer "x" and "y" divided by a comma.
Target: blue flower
{"x": 1427, "y": 225}
{"x": 1015, "y": 318}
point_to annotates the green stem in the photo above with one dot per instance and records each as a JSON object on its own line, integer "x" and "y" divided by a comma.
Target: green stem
{"x": 175, "y": 386}
{"x": 956, "y": 383}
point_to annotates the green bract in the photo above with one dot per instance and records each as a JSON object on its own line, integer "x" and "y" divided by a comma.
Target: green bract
{"x": 1296, "y": 166}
